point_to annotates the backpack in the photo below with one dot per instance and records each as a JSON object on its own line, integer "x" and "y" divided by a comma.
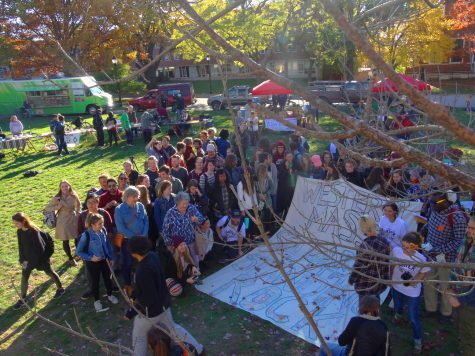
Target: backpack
{"x": 59, "y": 130}
{"x": 49, "y": 244}
{"x": 88, "y": 240}
{"x": 450, "y": 216}
{"x": 228, "y": 219}
{"x": 49, "y": 219}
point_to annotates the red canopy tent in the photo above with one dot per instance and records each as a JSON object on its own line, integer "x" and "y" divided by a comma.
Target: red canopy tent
{"x": 387, "y": 86}
{"x": 270, "y": 88}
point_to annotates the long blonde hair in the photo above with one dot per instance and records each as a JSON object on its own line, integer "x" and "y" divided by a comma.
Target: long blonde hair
{"x": 177, "y": 258}
{"x": 144, "y": 197}
{"x": 71, "y": 190}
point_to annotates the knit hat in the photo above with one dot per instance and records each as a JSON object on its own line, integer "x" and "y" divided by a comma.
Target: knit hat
{"x": 177, "y": 240}
{"x": 317, "y": 162}
{"x": 210, "y": 147}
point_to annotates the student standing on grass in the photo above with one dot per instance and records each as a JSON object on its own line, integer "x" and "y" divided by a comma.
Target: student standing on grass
{"x": 92, "y": 207}
{"x": 60, "y": 134}
{"x": 151, "y": 297}
{"x": 127, "y": 127}
{"x": 95, "y": 249}
{"x": 111, "y": 125}
{"x": 67, "y": 206}
{"x": 33, "y": 255}
{"x": 131, "y": 220}
{"x": 98, "y": 125}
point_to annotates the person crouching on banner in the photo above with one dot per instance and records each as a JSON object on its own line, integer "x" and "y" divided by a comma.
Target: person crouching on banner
{"x": 364, "y": 335}
{"x": 152, "y": 298}
{"x": 368, "y": 267}
{"x": 180, "y": 268}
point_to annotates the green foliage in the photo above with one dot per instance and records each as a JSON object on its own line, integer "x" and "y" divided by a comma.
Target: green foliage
{"x": 132, "y": 87}
{"x": 262, "y": 20}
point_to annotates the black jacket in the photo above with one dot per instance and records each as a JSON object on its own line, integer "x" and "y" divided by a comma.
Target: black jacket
{"x": 217, "y": 202}
{"x": 97, "y": 122}
{"x": 31, "y": 247}
{"x": 171, "y": 270}
{"x": 355, "y": 177}
{"x": 370, "y": 334}
{"x": 150, "y": 292}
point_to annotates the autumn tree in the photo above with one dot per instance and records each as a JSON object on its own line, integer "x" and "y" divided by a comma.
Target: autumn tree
{"x": 422, "y": 37}
{"x": 463, "y": 14}
{"x": 83, "y": 30}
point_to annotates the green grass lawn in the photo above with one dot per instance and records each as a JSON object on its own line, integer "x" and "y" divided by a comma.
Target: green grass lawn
{"x": 221, "y": 328}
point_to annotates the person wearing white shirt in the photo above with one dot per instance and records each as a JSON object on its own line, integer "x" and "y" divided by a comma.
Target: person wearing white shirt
{"x": 391, "y": 226}
{"x": 253, "y": 124}
{"x": 409, "y": 289}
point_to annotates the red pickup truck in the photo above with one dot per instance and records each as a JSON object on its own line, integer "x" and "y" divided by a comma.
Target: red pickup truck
{"x": 149, "y": 100}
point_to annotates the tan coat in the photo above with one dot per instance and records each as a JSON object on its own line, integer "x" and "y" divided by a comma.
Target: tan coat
{"x": 67, "y": 209}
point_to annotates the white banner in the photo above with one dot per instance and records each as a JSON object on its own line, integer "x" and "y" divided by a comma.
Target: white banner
{"x": 329, "y": 210}
{"x": 275, "y": 125}
{"x": 72, "y": 138}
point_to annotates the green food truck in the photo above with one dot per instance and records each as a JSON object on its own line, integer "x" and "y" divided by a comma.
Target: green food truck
{"x": 51, "y": 96}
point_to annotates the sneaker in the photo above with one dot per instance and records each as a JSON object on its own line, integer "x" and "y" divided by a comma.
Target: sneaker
{"x": 399, "y": 320}
{"x": 86, "y": 295}
{"x": 59, "y": 293}
{"x": 113, "y": 299}
{"x": 98, "y": 306}
{"x": 19, "y": 304}
{"x": 417, "y": 346}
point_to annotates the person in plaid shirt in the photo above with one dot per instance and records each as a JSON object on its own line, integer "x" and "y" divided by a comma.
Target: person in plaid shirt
{"x": 363, "y": 273}
{"x": 466, "y": 303}
{"x": 180, "y": 221}
{"x": 446, "y": 230}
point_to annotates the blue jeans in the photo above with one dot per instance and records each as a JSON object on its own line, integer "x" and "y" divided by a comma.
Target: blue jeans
{"x": 126, "y": 268}
{"x": 335, "y": 349}
{"x": 61, "y": 143}
{"x": 413, "y": 306}
{"x": 129, "y": 136}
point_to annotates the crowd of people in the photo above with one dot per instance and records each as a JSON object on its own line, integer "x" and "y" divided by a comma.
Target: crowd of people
{"x": 193, "y": 202}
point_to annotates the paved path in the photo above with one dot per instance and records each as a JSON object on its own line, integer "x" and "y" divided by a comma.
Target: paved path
{"x": 452, "y": 100}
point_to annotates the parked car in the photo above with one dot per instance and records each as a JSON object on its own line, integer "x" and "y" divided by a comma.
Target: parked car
{"x": 339, "y": 91}
{"x": 238, "y": 95}
{"x": 149, "y": 100}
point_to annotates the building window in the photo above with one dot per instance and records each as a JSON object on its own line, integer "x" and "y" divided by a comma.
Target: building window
{"x": 292, "y": 48}
{"x": 244, "y": 69}
{"x": 184, "y": 72}
{"x": 202, "y": 70}
{"x": 271, "y": 66}
{"x": 227, "y": 68}
{"x": 166, "y": 57}
{"x": 176, "y": 56}
{"x": 459, "y": 43}
{"x": 301, "y": 66}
